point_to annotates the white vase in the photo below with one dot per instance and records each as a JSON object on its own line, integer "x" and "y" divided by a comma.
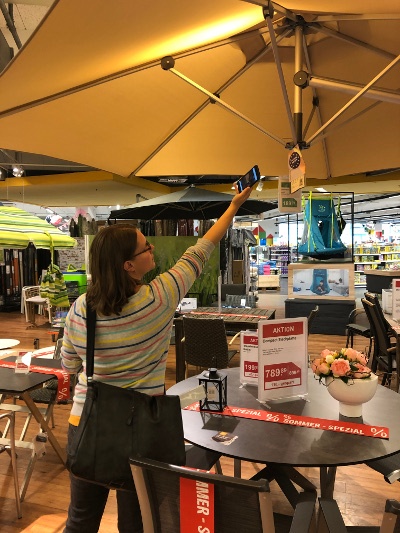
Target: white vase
{"x": 353, "y": 394}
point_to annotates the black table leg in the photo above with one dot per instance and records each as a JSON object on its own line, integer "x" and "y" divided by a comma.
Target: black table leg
{"x": 327, "y": 477}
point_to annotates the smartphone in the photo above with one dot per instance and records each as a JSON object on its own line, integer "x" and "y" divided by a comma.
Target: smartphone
{"x": 249, "y": 179}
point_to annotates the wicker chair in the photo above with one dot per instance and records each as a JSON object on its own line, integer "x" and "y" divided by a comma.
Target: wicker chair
{"x": 205, "y": 343}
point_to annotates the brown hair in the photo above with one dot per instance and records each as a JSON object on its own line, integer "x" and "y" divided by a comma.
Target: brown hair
{"x": 111, "y": 285}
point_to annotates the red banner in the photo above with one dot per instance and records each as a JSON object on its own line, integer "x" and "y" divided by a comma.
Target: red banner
{"x": 63, "y": 390}
{"x": 284, "y": 329}
{"x": 304, "y": 421}
{"x": 197, "y": 506}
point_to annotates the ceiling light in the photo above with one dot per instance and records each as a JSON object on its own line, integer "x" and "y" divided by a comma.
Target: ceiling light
{"x": 3, "y": 174}
{"x": 17, "y": 171}
{"x": 320, "y": 189}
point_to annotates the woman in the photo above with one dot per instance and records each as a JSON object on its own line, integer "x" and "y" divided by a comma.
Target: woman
{"x": 133, "y": 329}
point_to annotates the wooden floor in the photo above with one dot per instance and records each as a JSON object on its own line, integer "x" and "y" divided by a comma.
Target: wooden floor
{"x": 360, "y": 492}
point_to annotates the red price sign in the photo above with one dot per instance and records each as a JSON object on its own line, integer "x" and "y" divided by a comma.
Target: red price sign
{"x": 251, "y": 369}
{"x": 281, "y": 375}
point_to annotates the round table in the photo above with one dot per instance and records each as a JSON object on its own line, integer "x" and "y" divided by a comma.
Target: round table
{"x": 282, "y": 444}
{"x": 5, "y": 344}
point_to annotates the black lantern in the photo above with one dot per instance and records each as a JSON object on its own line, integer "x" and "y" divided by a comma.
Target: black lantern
{"x": 215, "y": 386}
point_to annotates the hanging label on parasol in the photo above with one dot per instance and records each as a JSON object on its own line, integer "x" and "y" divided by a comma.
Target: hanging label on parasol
{"x": 288, "y": 202}
{"x": 297, "y": 170}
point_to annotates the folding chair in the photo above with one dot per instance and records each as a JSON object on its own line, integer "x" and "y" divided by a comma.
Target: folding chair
{"x": 10, "y": 449}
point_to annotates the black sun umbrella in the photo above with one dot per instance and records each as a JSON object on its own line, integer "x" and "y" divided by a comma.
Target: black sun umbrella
{"x": 191, "y": 203}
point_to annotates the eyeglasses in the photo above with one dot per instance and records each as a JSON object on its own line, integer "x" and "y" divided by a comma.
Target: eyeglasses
{"x": 147, "y": 249}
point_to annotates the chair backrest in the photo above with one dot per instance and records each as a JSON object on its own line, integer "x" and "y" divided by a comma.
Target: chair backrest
{"x": 311, "y": 317}
{"x": 377, "y": 326}
{"x": 170, "y": 494}
{"x": 373, "y": 298}
{"x": 29, "y": 292}
{"x": 232, "y": 288}
{"x": 205, "y": 342}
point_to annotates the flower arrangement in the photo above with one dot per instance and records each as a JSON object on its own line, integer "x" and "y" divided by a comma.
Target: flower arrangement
{"x": 345, "y": 364}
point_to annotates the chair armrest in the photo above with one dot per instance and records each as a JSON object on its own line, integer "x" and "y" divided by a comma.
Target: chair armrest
{"x": 304, "y": 518}
{"x": 353, "y": 314}
{"x": 330, "y": 519}
{"x": 234, "y": 337}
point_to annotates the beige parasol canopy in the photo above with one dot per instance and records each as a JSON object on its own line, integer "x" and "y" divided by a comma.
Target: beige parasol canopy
{"x": 89, "y": 86}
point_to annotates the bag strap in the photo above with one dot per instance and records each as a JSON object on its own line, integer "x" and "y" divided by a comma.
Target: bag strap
{"x": 90, "y": 330}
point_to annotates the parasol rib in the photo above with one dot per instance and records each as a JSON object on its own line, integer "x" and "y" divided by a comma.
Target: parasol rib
{"x": 354, "y": 99}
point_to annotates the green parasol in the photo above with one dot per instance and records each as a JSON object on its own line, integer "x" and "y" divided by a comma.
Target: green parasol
{"x": 18, "y": 228}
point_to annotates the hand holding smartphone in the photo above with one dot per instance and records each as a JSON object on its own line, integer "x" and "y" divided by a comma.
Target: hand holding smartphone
{"x": 249, "y": 179}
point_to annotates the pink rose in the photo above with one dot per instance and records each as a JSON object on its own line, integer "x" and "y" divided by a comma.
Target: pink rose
{"x": 323, "y": 369}
{"x": 361, "y": 372}
{"x": 361, "y": 358}
{"x": 340, "y": 367}
{"x": 351, "y": 354}
{"x": 315, "y": 364}
{"x": 326, "y": 352}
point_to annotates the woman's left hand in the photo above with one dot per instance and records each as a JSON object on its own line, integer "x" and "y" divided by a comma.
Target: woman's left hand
{"x": 241, "y": 197}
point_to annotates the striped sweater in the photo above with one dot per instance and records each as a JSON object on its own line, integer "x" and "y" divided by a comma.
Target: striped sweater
{"x": 131, "y": 348}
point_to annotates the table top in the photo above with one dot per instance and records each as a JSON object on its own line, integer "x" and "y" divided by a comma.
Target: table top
{"x": 8, "y": 343}
{"x": 249, "y": 315}
{"x": 268, "y": 442}
{"x": 12, "y": 383}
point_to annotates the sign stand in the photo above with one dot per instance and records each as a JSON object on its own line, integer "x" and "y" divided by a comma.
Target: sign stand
{"x": 282, "y": 358}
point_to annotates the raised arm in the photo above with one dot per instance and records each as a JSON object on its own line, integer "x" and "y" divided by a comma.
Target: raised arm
{"x": 218, "y": 230}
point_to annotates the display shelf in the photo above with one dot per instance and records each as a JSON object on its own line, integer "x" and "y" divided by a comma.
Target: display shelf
{"x": 281, "y": 255}
{"x": 369, "y": 258}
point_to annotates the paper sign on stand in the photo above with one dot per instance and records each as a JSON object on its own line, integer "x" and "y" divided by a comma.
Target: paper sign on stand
{"x": 282, "y": 358}
{"x": 396, "y": 299}
{"x": 249, "y": 357}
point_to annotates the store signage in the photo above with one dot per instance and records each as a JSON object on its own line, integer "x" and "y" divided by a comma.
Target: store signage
{"x": 297, "y": 170}
{"x": 282, "y": 358}
{"x": 352, "y": 428}
{"x": 396, "y": 299}
{"x": 288, "y": 202}
{"x": 249, "y": 357}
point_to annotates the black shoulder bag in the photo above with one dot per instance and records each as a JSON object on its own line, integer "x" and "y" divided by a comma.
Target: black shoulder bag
{"x": 117, "y": 424}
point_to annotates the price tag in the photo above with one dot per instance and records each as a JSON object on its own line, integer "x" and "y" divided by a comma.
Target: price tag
{"x": 249, "y": 357}
{"x": 281, "y": 375}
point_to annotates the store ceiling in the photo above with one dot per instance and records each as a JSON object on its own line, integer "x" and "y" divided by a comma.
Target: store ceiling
{"x": 62, "y": 185}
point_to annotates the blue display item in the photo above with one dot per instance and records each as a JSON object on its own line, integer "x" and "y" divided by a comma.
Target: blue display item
{"x": 321, "y": 235}
{"x": 320, "y": 284}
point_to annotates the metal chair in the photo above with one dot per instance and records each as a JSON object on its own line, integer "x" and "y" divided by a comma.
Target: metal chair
{"x": 205, "y": 343}
{"x": 311, "y": 317}
{"x": 384, "y": 353}
{"x": 10, "y": 449}
{"x": 169, "y": 495}
{"x": 353, "y": 328}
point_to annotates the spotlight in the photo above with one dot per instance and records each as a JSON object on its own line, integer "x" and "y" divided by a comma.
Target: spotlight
{"x": 17, "y": 171}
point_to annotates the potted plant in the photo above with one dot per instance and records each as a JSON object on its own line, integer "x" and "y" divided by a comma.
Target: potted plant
{"x": 347, "y": 378}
